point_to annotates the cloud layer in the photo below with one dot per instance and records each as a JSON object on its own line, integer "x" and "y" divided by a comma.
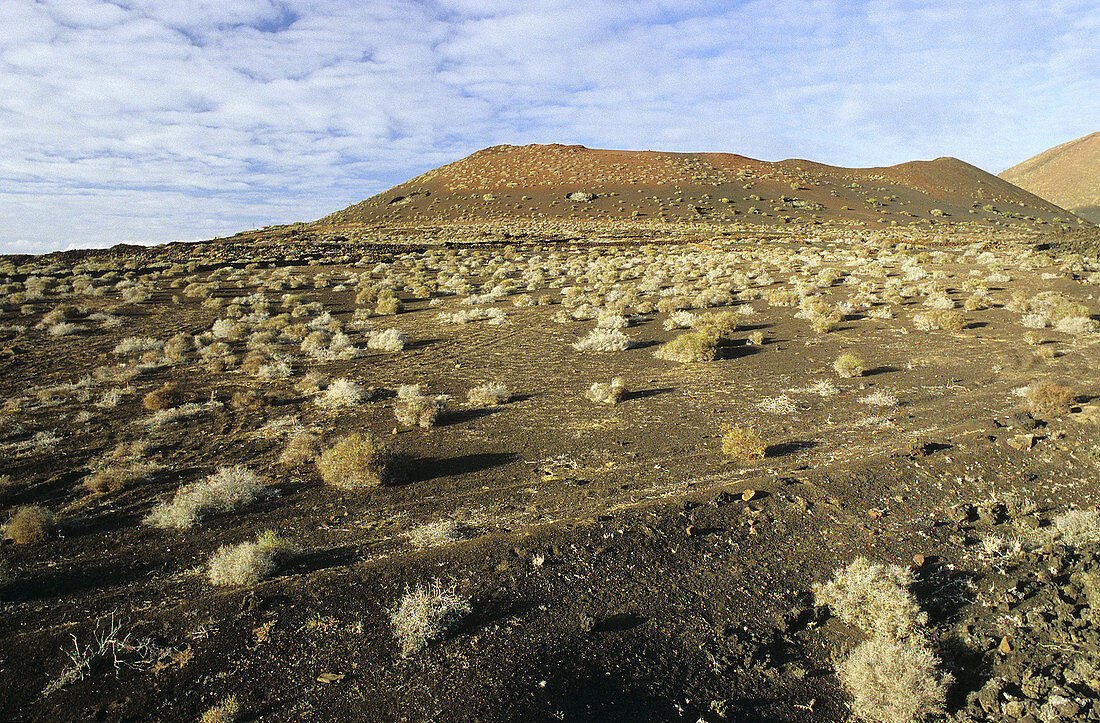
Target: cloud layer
{"x": 159, "y": 120}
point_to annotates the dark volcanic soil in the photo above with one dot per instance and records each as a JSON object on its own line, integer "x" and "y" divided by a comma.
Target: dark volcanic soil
{"x": 618, "y": 565}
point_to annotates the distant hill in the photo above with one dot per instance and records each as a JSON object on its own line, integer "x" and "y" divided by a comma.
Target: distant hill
{"x": 1067, "y": 175}
{"x": 550, "y": 182}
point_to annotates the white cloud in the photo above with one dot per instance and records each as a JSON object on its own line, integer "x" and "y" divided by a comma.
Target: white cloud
{"x": 157, "y": 120}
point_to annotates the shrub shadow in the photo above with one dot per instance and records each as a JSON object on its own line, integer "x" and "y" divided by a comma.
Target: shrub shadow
{"x": 424, "y": 469}
{"x": 785, "y": 448}
{"x": 645, "y": 393}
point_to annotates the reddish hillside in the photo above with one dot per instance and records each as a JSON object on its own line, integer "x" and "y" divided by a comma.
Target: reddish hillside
{"x": 1068, "y": 175}
{"x": 543, "y": 182}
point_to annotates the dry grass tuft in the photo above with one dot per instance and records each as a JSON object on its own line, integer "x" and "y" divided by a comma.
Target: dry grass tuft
{"x": 426, "y": 613}
{"x": 248, "y": 562}
{"x": 222, "y": 491}
{"x": 30, "y": 525}
{"x": 357, "y": 461}
{"x": 301, "y": 448}
{"x": 873, "y": 597}
{"x": 415, "y": 409}
{"x": 894, "y": 681}
{"x": 848, "y": 365}
{"x": 1046, "y": 399}
{"x": 687, "y": 348}
{"x": 742, "y": 444}
{"x": 167, "y": 396}
{"x": 224, "y": 712}
{"x": 612, "y": 393}
{"x": 604, "y": 340}
{"x": 489, "y": 394}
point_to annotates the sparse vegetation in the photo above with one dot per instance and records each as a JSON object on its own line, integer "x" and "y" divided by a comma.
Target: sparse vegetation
{"x": 489, "y": 394}
{"x": 687, "y": 348}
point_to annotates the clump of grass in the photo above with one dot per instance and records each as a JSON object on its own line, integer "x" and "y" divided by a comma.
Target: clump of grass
{"x": 848, "y": 365}
{"x": 602, "y": 393}
{"x": 1046, "y": 399}
{"x": 604, "y": 340}
{"x": 357, "y": 461}
{"x": 426, "y": 613}
{"x": 248, "y": 562}
{"x": 341, "y": 392}
{"x": 742, "y": 444}
{"x": 694, "y": 346}
{"x": 489, "y": 394}
{"x": 1075, "y": 527}
{"x": 388, "y": 340}
{"x": 113, "y": 479}
{"x": 943, "y": 319}
{"x": 415, "y": 409}
{"x": 226, "y": 489}
{"x": 439, "y": 533}
{"x": 30, "y": 525}
{"x": 224, "y": 712}
{"x": 894, "y": 681}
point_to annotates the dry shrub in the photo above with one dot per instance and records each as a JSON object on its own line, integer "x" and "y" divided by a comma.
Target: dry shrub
{"x": 388, "y": 340}
{"x": 718, "y": 326}
{"x": 848, "y": 365}
{"x": 115, "y": 479}
{"x": 30, "y": 525}
{"x": 612, "y": 393}
{"x": 388, "y": 305}
{"x": 604, "y": 340}
{"x": 894, "y": 681}
{"x": 248, "y": 562}
{"x": 1046, "y": 399}
{"x": 944, "y": 319}
{"x": 686, "y": 348}
{"x": 742, "y": 444}
{"x": 357, "y": 461}
{"x": 1075, "y": 527}
{"x": 300, "y": 449}
{"x": 224, "y": 712}
{"x": 439, "y": 533}
{"x": 426, "y": 613}
{"x": 247, "y": 399}
{"x": 222, "y": 491}
{"x": 489, "y": 394}
{"x": 167, "y": 396}
{"x": 341, "y": 392}
{"x": 415, "y": 409}
{"x": 873, "y": 597}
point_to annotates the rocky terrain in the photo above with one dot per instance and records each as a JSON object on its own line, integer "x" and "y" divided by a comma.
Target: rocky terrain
{"x": 589, "y": 467}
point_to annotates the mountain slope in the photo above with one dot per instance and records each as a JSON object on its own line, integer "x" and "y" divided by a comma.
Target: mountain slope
{"x": 551, "y": 182}
{"x": 1067, "y": 175}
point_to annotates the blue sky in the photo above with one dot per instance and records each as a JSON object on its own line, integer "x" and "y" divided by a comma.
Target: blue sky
{"x": 146, "y": 121}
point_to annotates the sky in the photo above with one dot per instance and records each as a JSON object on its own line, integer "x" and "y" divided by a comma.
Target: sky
{"x": 148, "y": 121}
